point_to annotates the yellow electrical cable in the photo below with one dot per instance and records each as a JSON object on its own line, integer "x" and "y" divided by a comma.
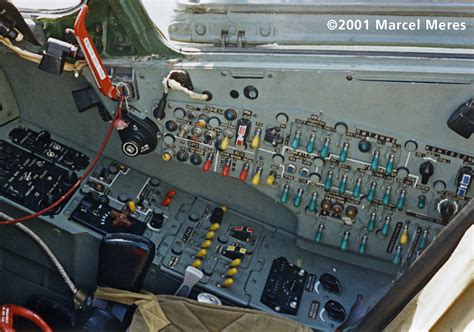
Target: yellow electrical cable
{"x": 36, "y": 58}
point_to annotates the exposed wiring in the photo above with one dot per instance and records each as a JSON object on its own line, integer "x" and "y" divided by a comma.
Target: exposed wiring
{"x": 169, "y": 83}
{"x": 117, "y": 118}
{"x": 46, "y": 249}
{"x": 36, "y": 58}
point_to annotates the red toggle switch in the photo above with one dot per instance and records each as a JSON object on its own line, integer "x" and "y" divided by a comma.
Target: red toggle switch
{"x": 226, "y": 169}
{"x": 171, "y": 193}
{"x": 208, "y": 163}
{"x": 245, "y": 172}
{"x": 169, "y": 197}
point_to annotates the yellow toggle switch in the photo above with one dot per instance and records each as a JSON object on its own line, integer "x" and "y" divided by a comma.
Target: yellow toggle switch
{"x": 210, "y": 235}
{"x": 232, "y": 272}
{"x": 206, "y": 244}
{"x": 255, "y": 142}
{"x": 404, "y": 236}
{"x": 228, "y": 282}
{"x": 256, "y": 179}
{"x": 225, "y": 143}
{"x": 201, "y": 253}
{"x": 214, "y": 227}
{"x": 236, "y": 262}
{"x": 197, "y": 263}
{"x": 132, "y": 206}
{"x": 271, "y": 178}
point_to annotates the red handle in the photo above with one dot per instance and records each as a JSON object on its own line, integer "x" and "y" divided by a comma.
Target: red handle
{"x": 244, "y": 173}
{"x": 8, "y": 311}
{"x": 92, "y": 56}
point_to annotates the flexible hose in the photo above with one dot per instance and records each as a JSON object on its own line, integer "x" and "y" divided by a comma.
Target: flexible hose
{"x": 46, "y": 249}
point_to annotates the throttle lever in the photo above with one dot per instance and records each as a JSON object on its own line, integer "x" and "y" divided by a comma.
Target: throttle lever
{"x": 103, "y": 80}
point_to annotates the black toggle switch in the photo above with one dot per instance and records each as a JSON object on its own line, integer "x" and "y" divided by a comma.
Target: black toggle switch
{"x": 426, "y": 171}
{"x": 330, "y": 283}
{"x": 335, "y": 310}
{"x": 217, "y": 216}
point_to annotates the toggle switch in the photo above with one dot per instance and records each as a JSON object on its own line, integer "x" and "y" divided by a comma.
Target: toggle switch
{"x": 225, "y": 142}
{"x": 208, "y": 163}
{"x": 386, "y": 196}
{"x": 386, "y": 226}
{"x": 271, "y": 178}
{"x": 372, "y": 222}
{"x": 197, "y": 263}
{"x": 232, "y": 272}
{"x": 328, "y": 181}
{"x": 201, "y": 253}
{"x": 226, "y": 168}
{"x": 374, "y": 164}
{"x": 245, "y": 172}
{"x": 345, "y": 241}
{"x": 343, "y": 184}
{"x": 132, "y": 207}
{"x": 404, "y": 237}
{"x": 423, "y": 240}
{"x": 236, "y": 262}
{"x": 357, "y": 188}
{"x": 206, "y": 244}
{"x": 344, "y": 152}
{"x": 228, "y": 282}
{"x": 257, "y": 177}
{"x": 324, "y": 152}
{"x": 295, "y": 142}
{"x": 255, "y": 143}
{"x": 401, "y": 200}
{"x": 310, "y": 145}
{"x": 285, "y": 194}
{"x": 426, "y": 171}
{"x": 363, "y": 245}
{"x": 210, "y": 235}
{"x": 214, "y": 227}
{"x": 390, "y": 164}
{"x": 397, "y": 257}
{"x": 298, "y": 198}
{"x": 313, "y": 202}
{"x": 183, "y": 130}
{"x": 319, "y": 233}
{"x": 372, "y": 192}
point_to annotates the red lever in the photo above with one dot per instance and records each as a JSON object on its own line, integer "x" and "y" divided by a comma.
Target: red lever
{"x": 226, "y": 169}
{"x": 8, "y": 311}
{"x": 245, "y": 172}
{"x": 208, "y": 163}
{"x": 92, "y": 56}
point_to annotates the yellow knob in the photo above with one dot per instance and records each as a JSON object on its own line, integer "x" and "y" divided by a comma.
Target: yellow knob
{"x": 232, "y": 272}
{"x": 225, "y": 143}
{"x": 197, "y": 263}
{"x": 228, "y": 282}
{"x": 224, "y": 208}
{"x": 201, "y": 253}
{"x": 404, "y": 236}
{"x": 271, "y": 179}
{"x": 210, "y": 235}
{"x": 256, "y": 179}
{"x": 132, "y": 206}
{"x": 166, "y": 156}
{"x": 214, "y": 227}
{"x": 236, "y": 262}
{"x": 206, "y": 244}
{"x": 255, "y": 142}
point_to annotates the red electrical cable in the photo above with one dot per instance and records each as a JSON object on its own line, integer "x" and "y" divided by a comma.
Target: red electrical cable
{"x": 118, "y": 116}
